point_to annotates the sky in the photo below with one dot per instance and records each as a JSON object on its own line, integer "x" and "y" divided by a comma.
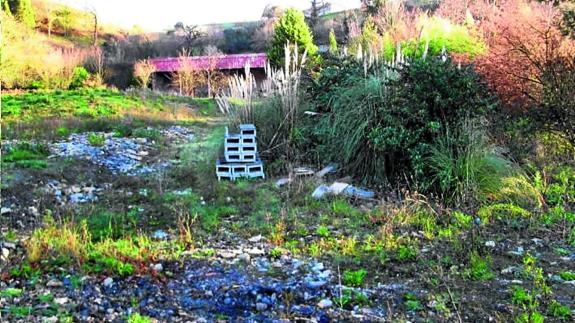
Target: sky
{"x": 159, "y": 15}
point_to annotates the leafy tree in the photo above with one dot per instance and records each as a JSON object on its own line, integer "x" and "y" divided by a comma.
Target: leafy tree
{"x": 314, "y": 14}
{"x": 292, "y": 29}
{"x": 237, "y": 40}
{"x": 6, "y": 7}
{"x": 523, "y": 39}
{"x": 25, "y": 12}
{"x": 332, "y": 43}
{"x": 65, "y": 19}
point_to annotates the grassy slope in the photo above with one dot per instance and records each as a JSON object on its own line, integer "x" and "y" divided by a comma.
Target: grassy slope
{"x": 95, "y": 109}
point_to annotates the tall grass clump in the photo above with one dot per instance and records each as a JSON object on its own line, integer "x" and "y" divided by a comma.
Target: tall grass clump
{"x": 465, "y": 165}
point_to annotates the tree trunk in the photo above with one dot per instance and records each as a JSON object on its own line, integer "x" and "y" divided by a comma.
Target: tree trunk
{"x": 95, "y": 29}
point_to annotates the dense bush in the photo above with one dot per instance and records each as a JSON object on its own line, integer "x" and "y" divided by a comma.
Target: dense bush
{"x": 383, "y": 127}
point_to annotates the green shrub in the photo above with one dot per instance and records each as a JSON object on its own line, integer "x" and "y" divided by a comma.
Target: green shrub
{"x": 555, "y": 112}
{"x": 438, "y": 34}
{"x": 78, "y": 78}
{"x": 149, "y": 133}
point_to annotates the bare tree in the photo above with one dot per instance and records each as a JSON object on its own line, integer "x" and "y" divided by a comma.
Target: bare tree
{"x": 51, "y": 16}
{"x": 215, "y": 79}
{"x": 190, "y": 34}
{"x": 143, "y": 70}
{"x": 187, "y": 78}
{"x": 94, "y": 14}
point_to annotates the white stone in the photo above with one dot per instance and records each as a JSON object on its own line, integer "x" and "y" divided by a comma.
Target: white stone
{"x": 244, "y": 257}
{"x": 5, "y": 254}
{"x": 255, "y": 251}
{"x": 255, "y": 239}
{"x": 108, "y": 281}
{"x": 54, "y": 283}
{"x": 158, "y": 267}
{"x": 261, "y": 306}
{"x": 61, "y": 300}
{"x": 490, "y": 244}
{"x": 325, "y": 303}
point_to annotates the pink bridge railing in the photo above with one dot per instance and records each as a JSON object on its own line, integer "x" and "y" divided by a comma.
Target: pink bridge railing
{"x": 222, "y": 62}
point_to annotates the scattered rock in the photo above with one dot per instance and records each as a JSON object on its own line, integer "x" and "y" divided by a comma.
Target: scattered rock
{"x": 261, "y": 306}
{"x": 255, "y": 239}
{"x": 5, "y": 210}
{"x": 325, "y": 303}
{"x": 244, "y": 257}
{"x": 5, "y": 254}
{"x": 54, "y": 283}
{"x": 9, "y": 245}
{"x": 490, "y": 244}
{"x": 518, "y": 252}
{"x": 160, "y": 235}
{"x": 61, "y": 300}
{"x": 108, "y": 282}
{"x": 158, "y": 267}
{"x": 255, "y": 251}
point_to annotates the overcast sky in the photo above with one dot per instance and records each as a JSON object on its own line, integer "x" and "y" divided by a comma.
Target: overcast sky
{"x": 158, "y": 15}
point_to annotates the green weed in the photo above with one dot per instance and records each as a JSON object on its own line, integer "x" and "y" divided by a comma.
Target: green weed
{"x": 11, "y": 292}
{"x": 354, "y": 278}
{"x": 567, "y": 275}
{"x": 138, "y": 318}
{"x": 479, "y": 268}
{"x": 411, "y": 302}
{"x": 148, "y": 133}
{"x": 322, "y": 231}
{"x": 45, "y": 298}
{"x": 96, "y": 140}
{"x": 559, "y": 311}
{"x": 406, "y": 252}
{"x": 276, "y": 252}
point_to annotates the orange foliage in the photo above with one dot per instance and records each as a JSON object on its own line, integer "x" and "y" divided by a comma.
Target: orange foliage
{"x": 523, "y": 38}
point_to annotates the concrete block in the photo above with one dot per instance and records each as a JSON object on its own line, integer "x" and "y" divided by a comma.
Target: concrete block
{"x": 248, "y": 140}
{"x": 247, "y": 130}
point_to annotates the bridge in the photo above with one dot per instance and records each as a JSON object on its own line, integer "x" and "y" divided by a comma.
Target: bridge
{"x": 222, "y": 62}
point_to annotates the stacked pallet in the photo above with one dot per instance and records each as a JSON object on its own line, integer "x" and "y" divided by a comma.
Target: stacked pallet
{"x": 240, "y": 155}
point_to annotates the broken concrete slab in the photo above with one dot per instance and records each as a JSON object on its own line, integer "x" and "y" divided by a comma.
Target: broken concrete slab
{"x": 326, "y": 170}
{"x": 303, "y": 171}
{"x": 338, "y": 188}
{"x": 320, "y": 192}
